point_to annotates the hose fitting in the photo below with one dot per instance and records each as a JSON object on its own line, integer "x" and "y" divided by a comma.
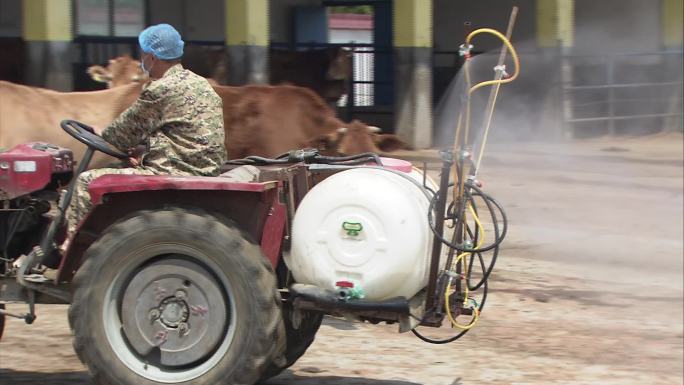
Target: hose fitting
{"x": 464, "y": 50}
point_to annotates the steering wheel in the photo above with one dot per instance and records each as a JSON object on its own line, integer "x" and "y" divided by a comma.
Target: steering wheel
{"x": 86, "y": 135}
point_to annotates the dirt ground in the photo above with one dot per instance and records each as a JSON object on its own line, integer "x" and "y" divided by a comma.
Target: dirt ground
{"x": 588, "y": 289}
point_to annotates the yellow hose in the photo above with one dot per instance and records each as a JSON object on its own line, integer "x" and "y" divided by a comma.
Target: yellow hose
{"x": 447, "y": 294}
{"x": 497, "y": 82}
{"x": 466, "y": 134}
{"x": 508, "y": 45}
{"x": 462, "y": 258}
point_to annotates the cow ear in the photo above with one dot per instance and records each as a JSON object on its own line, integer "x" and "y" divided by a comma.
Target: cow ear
{"x": 99, "y": 74}
{"x": 389, "y": 143}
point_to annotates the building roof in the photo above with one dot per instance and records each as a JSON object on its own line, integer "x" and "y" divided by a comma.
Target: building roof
{"x": 350, "y": 21}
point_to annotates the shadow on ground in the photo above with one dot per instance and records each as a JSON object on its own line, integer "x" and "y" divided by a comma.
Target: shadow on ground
{"x": 289, "y": 378}
{"x": 11, "y": 377}
{"x": 339, "y": 324}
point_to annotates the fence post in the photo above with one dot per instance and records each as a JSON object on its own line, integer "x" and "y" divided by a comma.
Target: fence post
{"x": 610, "y": 80}
{"x": 351, "y": 97}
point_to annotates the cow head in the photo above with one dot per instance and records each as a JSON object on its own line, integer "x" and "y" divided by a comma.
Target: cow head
{"x": 356, "y": 138}
{"x": 340, "y": 67}
{"x": 120, "y": 71}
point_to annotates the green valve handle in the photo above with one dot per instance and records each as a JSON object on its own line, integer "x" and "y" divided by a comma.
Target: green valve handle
{"x": 352, "y": 228}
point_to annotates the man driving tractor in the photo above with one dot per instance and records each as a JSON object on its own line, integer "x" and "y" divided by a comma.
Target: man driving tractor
{"x": 178, "y": 118}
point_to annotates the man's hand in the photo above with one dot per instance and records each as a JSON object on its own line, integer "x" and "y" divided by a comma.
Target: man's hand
{"x": 93, "y": 130}
{"x": 135, "y": 155}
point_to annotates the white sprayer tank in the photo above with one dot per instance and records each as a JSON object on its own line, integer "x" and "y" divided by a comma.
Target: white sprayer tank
{"x": 366, "y": 226}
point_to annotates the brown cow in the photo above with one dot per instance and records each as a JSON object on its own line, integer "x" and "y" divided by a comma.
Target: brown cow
{"x": 271, "y": 120}
{"x": 354, "y": 138}
{"x": 29, "y": 114}
{"x": 120, "y": 71}
{"x": 326, "y": 71}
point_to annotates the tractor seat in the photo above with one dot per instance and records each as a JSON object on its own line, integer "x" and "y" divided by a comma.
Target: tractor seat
{"x": 244, "y": 173}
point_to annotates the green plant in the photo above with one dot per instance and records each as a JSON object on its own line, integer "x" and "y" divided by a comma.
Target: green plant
{"x": 357, "y": 9}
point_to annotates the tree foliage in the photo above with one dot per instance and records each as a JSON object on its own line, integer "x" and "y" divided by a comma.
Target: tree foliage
{"x": 357, "y": 9}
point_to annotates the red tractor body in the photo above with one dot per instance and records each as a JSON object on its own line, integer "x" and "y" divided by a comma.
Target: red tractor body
{"x": 182, "y": 279}
{"x": 30, "y": 167}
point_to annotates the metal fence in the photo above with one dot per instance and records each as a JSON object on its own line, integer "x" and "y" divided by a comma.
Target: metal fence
{"x": 370, "y": 89}
{"x": 93, "y": 50}
{"x": 621, "y": 93}
{"x": 371, "y": 86}
{"x": 363, "y": 78}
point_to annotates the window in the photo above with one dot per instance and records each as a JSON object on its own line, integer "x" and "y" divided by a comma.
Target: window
{"x": 129, "y": 17}
{"x": 109, "y": 17}
{"x": 354, "y": 25}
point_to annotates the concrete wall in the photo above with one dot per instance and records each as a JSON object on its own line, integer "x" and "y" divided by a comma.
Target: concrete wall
{"x": 605, "y": 26}
{"x": 281, "y": 16}
{"x": 207, "y": 22}
{"x": 193, "y": 22}
{"x": 10, "y": 18}
{"x": 512, "y": 106}
{"x": 617, "y": 26}
{"x": 350, "y": 35}
{"x": 449, "y": 16}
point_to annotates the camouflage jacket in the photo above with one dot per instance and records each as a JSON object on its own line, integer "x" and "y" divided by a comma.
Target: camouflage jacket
{"x": 181, "y": 118}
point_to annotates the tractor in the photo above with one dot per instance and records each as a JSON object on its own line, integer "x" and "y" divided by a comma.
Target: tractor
{"x": 206, "y": 280}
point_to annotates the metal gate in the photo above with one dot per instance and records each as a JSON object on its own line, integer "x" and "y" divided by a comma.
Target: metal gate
{"x": 632, "y": 93}
{"x": 98, "y": 50}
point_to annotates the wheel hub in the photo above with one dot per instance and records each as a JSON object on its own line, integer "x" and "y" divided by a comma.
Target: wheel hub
{"x": 177, "y": 307}
{"x": 173, "y": 312}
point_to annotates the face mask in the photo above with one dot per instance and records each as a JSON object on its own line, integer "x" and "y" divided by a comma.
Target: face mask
{"x": 142, "y": 66}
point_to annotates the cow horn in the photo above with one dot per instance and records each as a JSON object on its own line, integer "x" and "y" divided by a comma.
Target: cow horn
{"x": 342, "y": 130}
{"x": 102, "y": 77}
{"x": 374, "y": 129}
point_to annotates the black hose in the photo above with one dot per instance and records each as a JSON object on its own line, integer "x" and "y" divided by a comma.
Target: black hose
{"x": 473, "y": 234}
{"x": 339, "y": 159}
{"x": 469, "y": 196}
{"x": 309, "y": 156}
{"x": 463, "y": 332}
{"x": 347, "y": 162}
{"x": 488, "y": 271}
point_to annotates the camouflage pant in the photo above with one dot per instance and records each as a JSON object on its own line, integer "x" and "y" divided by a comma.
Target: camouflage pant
{"x": 80, "y": 202}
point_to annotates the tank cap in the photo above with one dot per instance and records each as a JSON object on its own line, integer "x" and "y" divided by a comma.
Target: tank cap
{"x": 395, "y": 164}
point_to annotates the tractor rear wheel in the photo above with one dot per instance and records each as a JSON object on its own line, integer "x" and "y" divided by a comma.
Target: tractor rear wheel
{"x": 177, "y": 297}
{"x": 2, "y": 320}
{"x": 301, "y": 327}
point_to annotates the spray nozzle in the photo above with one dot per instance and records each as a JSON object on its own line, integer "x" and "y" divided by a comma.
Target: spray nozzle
{"x": 501, "y": 69}
{"x": 464, "y": 50}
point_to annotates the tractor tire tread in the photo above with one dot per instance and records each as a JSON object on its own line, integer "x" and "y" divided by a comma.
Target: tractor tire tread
{"x": 265, "y": 351}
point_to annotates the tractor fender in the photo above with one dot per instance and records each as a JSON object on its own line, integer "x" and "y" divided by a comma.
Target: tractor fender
{"x": 255, "y": 207}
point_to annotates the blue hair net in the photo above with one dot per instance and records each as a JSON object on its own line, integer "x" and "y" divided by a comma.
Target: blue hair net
{"x": 163, "y": 41}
